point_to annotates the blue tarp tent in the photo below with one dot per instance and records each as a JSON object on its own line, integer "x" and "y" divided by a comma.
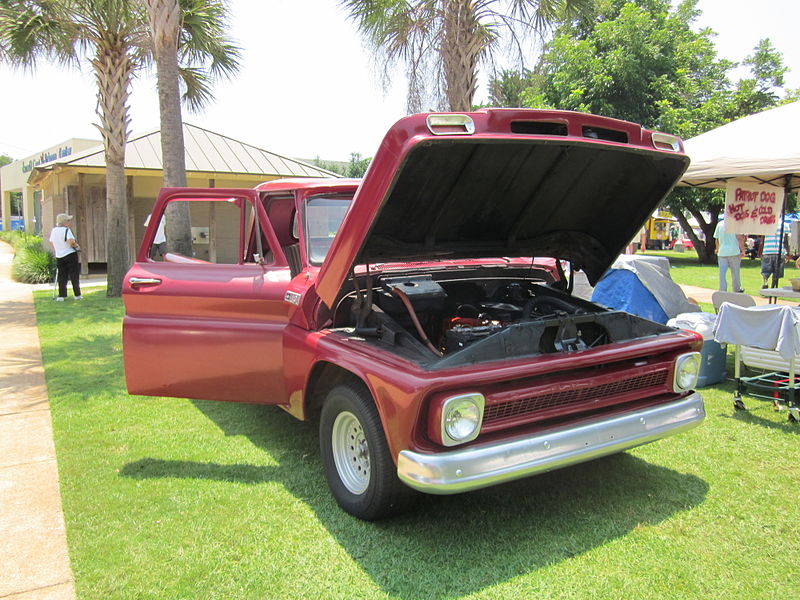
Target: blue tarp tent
{"x": 621, "y": 289}
{"x": 641, "y": 285}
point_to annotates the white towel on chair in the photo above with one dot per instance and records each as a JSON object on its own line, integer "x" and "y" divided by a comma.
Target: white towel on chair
{"x": 770, "y": 327}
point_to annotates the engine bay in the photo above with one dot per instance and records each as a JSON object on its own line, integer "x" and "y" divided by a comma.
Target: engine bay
{"x": 442, "y": 320}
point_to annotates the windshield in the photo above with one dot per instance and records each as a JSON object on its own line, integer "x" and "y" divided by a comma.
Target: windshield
{"x": 323, "y": 216}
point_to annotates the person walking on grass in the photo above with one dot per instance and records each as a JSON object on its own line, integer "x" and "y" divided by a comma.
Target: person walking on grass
{"x": 730, "y": 249}
{"x": 66, "y": 250}
{"x": 772, "y": 257}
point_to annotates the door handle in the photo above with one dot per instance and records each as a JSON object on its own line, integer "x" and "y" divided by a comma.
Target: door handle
{"x": 144, "y": 281}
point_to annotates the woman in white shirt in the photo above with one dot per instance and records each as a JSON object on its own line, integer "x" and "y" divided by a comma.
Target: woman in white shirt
{"x": 66, "y": 250}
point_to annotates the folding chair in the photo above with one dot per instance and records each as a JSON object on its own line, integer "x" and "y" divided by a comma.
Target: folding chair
{"x": 737, "y": 298}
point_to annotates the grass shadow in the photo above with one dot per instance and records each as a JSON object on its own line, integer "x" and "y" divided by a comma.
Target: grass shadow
{"x": 81, "y": 370}
{"x": 451, "y": 546}
{"x": 753, "y": 403}
{"x": 752, "y": 418}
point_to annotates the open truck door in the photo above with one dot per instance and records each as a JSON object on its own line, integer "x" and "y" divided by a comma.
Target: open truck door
{"x": 209, "y": 325}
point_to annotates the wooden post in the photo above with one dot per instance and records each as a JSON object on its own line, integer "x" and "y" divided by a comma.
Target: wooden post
{"x": 83, "y": 224}
{"x": 131, "y": 221}
{"x": 212, "y": 226}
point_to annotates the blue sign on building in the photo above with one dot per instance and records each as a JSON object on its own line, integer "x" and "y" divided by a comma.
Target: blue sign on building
{"x": 16, "y": 223}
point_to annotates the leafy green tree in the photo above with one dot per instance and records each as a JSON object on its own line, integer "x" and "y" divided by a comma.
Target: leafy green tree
{"x": 5, "y": 159}
{"x": 196, "y": 28}
{"x": 641, "y": 61}
{"x": 507, "y": 88}
{"x": 357, "y": 165}
{"x": 446, "y": 40}
{"x": 334, "y": 166}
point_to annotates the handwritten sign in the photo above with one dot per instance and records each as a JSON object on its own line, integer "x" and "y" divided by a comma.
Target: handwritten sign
{"x": 752, "y": 208}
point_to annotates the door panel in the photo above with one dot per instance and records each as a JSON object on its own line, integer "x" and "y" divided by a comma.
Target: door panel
{"x": 195, "y": 329}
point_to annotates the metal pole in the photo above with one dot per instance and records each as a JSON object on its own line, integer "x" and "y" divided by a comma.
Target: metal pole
{"x": 781, "y": 247}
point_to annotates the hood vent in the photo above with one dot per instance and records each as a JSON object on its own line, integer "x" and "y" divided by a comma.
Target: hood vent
{"x": 538, "y": 128}
{"x": 610, "y": 135}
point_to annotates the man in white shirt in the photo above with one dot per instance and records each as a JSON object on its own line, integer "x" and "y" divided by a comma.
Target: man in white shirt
{"x": 66, "y": 250}
{"x": 159, "y": 247}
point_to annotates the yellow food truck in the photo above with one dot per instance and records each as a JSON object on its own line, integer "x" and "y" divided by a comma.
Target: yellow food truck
{"x": 660, "y": 228}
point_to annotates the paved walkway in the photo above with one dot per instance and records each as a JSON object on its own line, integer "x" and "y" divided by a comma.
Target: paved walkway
{"x": 34, "y": 564}
{"x": 704, "y": 295}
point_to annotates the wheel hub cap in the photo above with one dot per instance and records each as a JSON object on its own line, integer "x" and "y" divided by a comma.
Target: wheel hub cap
{"x": 350, "y": 452}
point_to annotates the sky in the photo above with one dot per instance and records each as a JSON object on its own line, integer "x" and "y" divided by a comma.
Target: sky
{"x": 307, "y": 87}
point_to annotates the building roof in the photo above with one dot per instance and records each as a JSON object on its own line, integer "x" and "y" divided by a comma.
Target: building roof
{"x": 206, "y": 152}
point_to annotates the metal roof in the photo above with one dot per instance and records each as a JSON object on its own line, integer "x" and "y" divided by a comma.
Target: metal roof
{"x": 206, "y": 152}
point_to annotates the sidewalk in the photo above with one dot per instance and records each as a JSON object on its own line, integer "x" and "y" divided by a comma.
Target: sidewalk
{"x": 34, "y": 564}
{"x": 704, "y": 295}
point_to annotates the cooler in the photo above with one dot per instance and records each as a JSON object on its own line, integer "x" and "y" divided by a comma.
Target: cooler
{"x": 713, "y": 355}
{"x": 712, "y": 363}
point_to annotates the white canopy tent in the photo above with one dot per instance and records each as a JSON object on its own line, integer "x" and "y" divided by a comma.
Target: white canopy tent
{"x": 763, "y": 148}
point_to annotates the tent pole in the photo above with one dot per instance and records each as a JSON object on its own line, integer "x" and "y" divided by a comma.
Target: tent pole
{"x": 781, "y": 246}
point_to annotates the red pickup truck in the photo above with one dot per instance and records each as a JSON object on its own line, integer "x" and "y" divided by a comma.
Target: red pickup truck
{"x": 405, "y": 312}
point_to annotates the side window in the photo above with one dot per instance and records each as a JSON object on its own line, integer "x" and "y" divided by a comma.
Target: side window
{"x": 212, "y": 232}
{"x": 323, "y": 216}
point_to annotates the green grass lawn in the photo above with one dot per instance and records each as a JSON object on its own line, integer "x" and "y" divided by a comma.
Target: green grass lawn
{"x": 685, "y": 270}
{"x": 169, "y": 498}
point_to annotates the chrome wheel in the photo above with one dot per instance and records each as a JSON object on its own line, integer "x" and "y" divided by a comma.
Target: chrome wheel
{"x": 350, "y": 452}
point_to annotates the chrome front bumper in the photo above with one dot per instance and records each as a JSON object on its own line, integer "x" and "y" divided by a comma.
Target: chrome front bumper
{"x": 481, "y": 466}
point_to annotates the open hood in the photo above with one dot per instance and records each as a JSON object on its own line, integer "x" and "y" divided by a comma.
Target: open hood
{"x": 505, "y": 183}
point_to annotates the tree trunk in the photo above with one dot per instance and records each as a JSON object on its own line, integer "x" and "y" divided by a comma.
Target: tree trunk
{"x": 113, "y": 69}
{"x": 706, "y": 251}
{"x": 165, "y": 20}
{"x": 462, "y": 44}
{"x": 116, "y": 225}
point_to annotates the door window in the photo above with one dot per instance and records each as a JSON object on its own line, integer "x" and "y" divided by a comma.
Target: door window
{"x": 217, "y": 231}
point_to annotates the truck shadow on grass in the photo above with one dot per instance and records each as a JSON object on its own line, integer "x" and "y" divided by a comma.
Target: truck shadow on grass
{"x": 450, "y": 546}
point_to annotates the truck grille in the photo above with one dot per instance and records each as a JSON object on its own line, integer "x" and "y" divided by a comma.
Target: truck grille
{"x": 591, "y": 396}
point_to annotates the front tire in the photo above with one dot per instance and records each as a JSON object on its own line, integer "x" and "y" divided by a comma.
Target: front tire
{"x": 358, "y": 466}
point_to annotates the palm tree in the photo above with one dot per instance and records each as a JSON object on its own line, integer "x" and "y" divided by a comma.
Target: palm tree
{"x": 113, "y": 36}
{"x": 193, "y": 28}
{"x": 110, "y": 34}
{"x": 450, "y": 37}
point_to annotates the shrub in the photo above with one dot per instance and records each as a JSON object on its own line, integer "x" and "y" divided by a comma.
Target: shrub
{"x": 32, "y": 262}
{"x": 11, "y": 236}
{"x": 20, "y": 239}
{"x": 31, "y": 241}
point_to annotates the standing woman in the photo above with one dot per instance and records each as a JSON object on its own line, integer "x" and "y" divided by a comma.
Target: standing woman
{"x": 730, "y": 249}
{"x": 66, "y": 249}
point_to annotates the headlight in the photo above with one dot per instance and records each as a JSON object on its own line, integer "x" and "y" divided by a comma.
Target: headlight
{"x": 687, "y": 368}
{"x": 461, "y": 418}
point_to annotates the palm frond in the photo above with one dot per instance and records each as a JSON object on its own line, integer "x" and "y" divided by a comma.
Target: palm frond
{"x": 197, "y": 87}
{"x": 204, "y": 40}
{"x": 442, "y": 42}
{"x": 34, "y": 29}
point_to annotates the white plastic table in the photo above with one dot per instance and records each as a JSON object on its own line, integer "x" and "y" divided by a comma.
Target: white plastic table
{"x": 781, "y": 292}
